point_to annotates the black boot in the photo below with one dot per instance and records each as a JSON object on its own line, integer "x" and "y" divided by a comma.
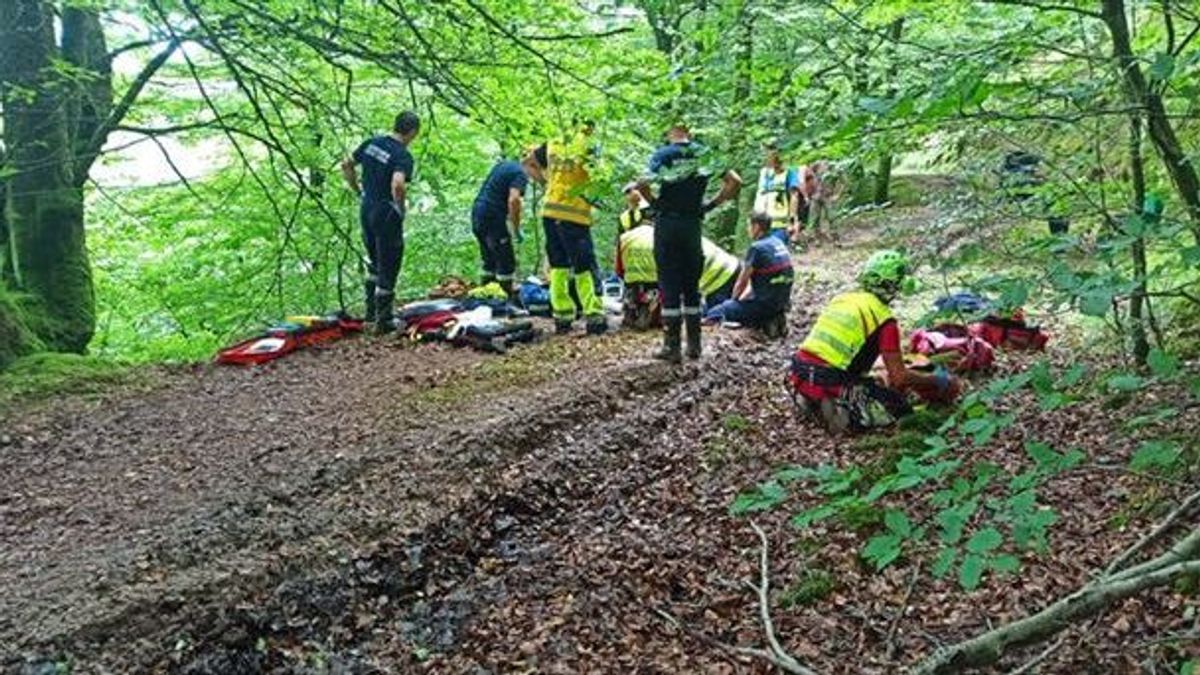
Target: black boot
{"x": 369, "y": 303}
{"x": 670, "y": 349}
{"x": 693, "y": 336}
{"x": 562, "y": 326}
{"x": 384, "y": 320}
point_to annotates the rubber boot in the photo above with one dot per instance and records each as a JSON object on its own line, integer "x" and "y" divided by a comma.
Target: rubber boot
{"x": 670, "y": 349}
{"x": 693, "y": 335}
{"x": 369, "y": 303}
{"x": 384, "y": 319}
{"x": 562, "y": 326}
{"x": 597, "y": 325}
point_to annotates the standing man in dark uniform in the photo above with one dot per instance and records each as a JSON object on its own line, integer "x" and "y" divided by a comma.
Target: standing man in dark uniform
{"x": 497, "y": 207}
{"x": 678, "y": 251}
{"x": 387, "y": 170}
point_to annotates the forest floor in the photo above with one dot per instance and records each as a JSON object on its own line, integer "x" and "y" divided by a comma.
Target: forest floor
{"x": 378, "y": 507}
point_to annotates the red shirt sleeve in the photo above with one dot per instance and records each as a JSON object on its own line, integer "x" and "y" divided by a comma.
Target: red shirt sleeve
{"x": 889, "y": 337}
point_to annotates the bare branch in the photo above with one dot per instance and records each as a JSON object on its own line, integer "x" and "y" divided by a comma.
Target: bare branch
{"x": 1163, "y": 526}
{"x": 1041, "y": 7}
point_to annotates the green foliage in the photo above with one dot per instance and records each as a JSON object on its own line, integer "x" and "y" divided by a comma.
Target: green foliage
{"x": 813, "y": 586}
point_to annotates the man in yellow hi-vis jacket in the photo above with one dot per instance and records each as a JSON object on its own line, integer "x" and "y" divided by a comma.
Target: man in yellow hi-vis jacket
{"x": 567, "y": 220}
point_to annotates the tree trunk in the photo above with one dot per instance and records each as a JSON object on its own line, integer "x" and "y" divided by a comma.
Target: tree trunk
{"x": 1162, "y": 133}
{"x": 726, "y": 229}
{"x": 44, "y": 200}
{"x": 1137, "y": 308}
{"x": 883, "y": 168}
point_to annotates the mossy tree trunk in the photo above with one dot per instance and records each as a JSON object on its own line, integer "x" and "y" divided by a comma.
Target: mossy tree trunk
{"x": 55, "y": 122}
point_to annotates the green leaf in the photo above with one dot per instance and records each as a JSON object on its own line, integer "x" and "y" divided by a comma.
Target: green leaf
{"x": 1096, "y": 303}
{"x": 897, "y": 522}
{"x": 1162, "y": 364}
{"x": 1005, "y": 563}
{"x": 1163, "y": 67}
{"x": 882, "y": 550}
{"x": 944, "y": 561}
{"x": 809, "y": 516}
{"x": 1154, "y": 454}
{"x": 971, "y": 572}
{"x": 765, "y": 496}
{"x": 877, "y": 106}
{"x": 985, "y": 540}
{"x": 1072, "y": 377}
{"x": 1189, "y": 667}
{"x": 1125, "y": 382}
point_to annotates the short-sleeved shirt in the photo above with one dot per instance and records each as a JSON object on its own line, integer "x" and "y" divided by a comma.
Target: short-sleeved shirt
{"x": 491, "y": 205}
{"x": 771, "y": 271}
{"x": 381, "y": 157}
{"x": 677, "y": 165}
{"x": 885, "y": 340}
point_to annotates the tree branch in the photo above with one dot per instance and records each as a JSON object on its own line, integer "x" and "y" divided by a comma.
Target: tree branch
{"x": 1048, "y": 7}
{"x": 127, "y": 100}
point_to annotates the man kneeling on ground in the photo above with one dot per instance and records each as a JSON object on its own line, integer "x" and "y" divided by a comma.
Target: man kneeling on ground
{"x": 763, "y": 290}
{"x": 636, "y": 266}
{"x": 830, "y": 370}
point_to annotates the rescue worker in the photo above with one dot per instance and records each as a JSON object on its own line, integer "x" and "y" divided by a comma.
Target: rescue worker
{"x": 763, "y": 291}
{"x": 564, "y": 168}
{"x": 636, "y": 209}
{"x": 778, "y": 195}
{"x": 636, "y": 267}
{"x": 496, "y": 222}
{"x": 830, "y": 370}
{"x": 387, "y": 172}
{"x": 678, "y": 249}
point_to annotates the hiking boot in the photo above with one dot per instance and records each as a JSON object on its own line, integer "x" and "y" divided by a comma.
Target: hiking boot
{"x": 562, "y": 326}
{"x": 670, "y": 349}
{"x": 693, "y": 336}
{"x": 385, "y": 322}
{"x": 597, "y": 326}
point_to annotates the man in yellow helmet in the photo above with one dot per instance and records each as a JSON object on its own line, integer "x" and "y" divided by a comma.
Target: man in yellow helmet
{"x": 830, "y": 370}
{"x": 636, "y": 266}
{"x": 567, "y": 220}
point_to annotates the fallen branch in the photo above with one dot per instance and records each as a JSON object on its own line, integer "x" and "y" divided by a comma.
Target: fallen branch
{"x": 891, "y": 634}
{"x": 988, "y": 648}
{"x": 1037, "y": 660}
{"x": 782, "y": 658}
{"x": 1163, "y": 526}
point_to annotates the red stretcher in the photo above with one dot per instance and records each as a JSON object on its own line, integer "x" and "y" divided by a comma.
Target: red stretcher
{"x": 282, "y": 340}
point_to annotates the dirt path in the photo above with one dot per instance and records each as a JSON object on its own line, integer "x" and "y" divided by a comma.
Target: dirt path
{"x": 367, "y": 508}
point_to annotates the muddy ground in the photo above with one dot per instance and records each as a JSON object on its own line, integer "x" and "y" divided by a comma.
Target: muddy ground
{"x": 379, "y": 507}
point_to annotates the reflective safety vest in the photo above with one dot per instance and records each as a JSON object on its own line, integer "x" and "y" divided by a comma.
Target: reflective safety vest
{"x": 637, "y": 255}
{"x": 719, "y": 267}
{"x": 774, "y": 195}
{"x": 844, "y": 327}
{"x": 637, "y": 259}
{"x": 631, "y": 218}
{"x": 567, "y": 177}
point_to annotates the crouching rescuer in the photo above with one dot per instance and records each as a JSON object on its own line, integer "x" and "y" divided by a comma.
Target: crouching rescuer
{"x": 830, "y": 372}
{"x": 763, "y": 291}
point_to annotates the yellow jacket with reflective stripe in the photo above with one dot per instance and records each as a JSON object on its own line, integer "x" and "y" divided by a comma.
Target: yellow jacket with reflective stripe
{"x": 637, "y": 259}
{"x": 631, "y": 218}
{"x": 567, "y": 176}
{"x": 637, "y": 255}
{"x": 719, "y": 267}
{"x": 844, "y": 327}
